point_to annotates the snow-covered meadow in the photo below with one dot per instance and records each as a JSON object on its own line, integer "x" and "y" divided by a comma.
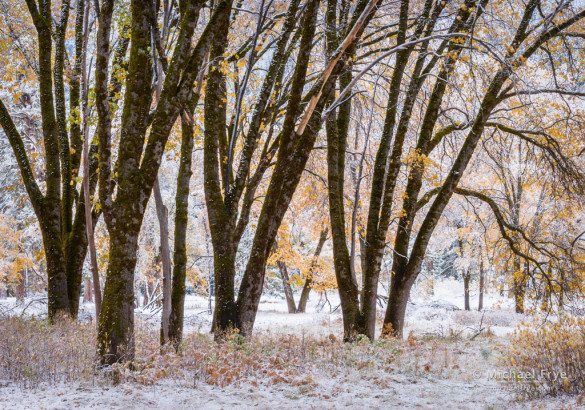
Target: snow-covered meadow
{"x": 449, "y": 358}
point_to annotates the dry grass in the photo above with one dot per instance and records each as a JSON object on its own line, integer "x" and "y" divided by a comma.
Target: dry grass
{"x": 547, "y": 358}
{"x": 33, "y": 352}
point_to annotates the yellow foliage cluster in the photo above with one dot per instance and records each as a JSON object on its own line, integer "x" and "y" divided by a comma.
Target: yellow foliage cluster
{"x": 198, "y": 280}
{"x": 290, "y": 250}
{"x": 13, "y": 259}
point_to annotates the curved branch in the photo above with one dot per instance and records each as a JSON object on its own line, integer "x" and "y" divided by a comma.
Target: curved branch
{"x": 504, "y": 225}
{"x": 15, "y": 139}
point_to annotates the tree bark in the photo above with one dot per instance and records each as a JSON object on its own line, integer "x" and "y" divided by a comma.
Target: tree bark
{"x": 290, "y": 300}
{"x": 221, "y": 218}
{"x": 519, "y": 278}
{"x": 481, "y": 286}
{"x": 397, "y": 302}
{"x": 124, "y": 218}
{"x": 305, "y": 295}
{"x": 20, "y": 289}
{"x": 116, "y": 324}
{"x": 346, "y": 281}
{"x": 294, "y": 150}
{"x": 181, "y": 222}
{"x": 309, "y": 280}
{"x": 162, "y": 214}
{"x": 97, "y": 292}
{"x": 466, "y": 282}
{"x": 139, "y": 157}
{"x": 87, "y": 291}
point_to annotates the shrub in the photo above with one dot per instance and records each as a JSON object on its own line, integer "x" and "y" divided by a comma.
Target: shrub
{"x": 547, "y": 358}
{"x": 33, "y": 352}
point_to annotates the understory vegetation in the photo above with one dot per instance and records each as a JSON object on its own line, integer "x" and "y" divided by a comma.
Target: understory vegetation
{"x": 28, "y": 358}
{"x": 548, "y": 358}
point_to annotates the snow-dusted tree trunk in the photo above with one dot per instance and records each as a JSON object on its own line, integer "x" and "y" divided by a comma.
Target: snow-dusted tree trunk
{"x": 61, "y": 218}
{"x": 140, "y": 153}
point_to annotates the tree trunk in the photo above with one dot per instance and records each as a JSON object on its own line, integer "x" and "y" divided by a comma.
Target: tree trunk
{"x": 305, "y": 295}
{"x": 397, "y": 303}
{"x": 87, "y": 188}
{"x": 481, "y": 286}
{"x": 90, "y": 240}
{"x": 337, "y": 127}
{"x": 220, "y": 214}
{"x": 294, "y": 149}
{"x": 518, "y": 286}
{"x": 308, "y": 281}
{"x": 142, "y": 141}
{"x": 346, "y": 281}
{"x": 180, "y": 249}
{"x": 466, "y": 281}
{"x": 181, "y": 222}
{"x": 290, "y": 300}
{"x": 165, "y": 252}
{"x": 116, "y": 324}
{"x": 431, "y": 273}
{"x": 210, "y": 271}
{"x": 145, "y": 297}
{"x": 20, "y": 289}
{"x": 224, "y": 315}
{"x": 57, "y": 292}
{"x": 87, "y": 291}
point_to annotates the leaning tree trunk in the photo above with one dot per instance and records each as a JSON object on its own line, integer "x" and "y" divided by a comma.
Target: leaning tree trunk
{"x": 290, "y": 300}
{"x": 294, "y": 150}
{"x": 302, "y": 308}
{"x": 309, "y": 280}
{"x": 165, "y": 252}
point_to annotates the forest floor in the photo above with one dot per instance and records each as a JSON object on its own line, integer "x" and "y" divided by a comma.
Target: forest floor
{"x": 293, "y": 361}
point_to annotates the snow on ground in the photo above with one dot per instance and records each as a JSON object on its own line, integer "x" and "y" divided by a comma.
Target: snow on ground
{"x": 400, "y": 392}
{"x": 457, "y": 376}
